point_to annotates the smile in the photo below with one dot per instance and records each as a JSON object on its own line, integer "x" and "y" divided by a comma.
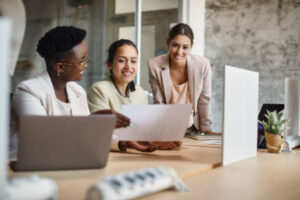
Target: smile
{"x": 127, "y": 73}
{"x": 178, "y": 57}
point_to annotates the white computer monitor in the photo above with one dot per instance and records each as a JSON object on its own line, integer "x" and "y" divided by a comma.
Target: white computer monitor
{"x": 5, "y": 27}
{"x": 240, "y": 111}
{"x": 292, "y": 108}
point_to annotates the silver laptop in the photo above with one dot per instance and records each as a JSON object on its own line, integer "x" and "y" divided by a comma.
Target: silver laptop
{"x": 64, "y": 142}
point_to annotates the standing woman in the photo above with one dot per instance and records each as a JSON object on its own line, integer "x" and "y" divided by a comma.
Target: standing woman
{"x": 183, "y": 78}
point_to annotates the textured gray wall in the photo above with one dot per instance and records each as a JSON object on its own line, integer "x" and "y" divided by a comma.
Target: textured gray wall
{"x": 259, "y": 35}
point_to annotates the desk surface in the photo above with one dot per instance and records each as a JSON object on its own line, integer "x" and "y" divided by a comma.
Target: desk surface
{"x": 268, "y": 176}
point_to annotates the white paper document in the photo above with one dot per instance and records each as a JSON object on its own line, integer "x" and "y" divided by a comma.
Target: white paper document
{"x": 157, "y": 122}
{"x": 214, "y": 142}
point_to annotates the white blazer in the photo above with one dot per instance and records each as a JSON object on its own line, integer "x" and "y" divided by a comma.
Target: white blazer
{"x": 37, "y": 97}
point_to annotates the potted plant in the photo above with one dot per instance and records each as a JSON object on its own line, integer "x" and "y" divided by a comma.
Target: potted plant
{"x": 274, "y": 128}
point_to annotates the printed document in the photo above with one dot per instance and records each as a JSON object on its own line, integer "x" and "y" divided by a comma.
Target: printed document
{"x": 159, "y": 122}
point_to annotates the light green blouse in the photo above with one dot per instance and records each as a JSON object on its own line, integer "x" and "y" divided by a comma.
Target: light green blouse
{"x": 104, "y": 95}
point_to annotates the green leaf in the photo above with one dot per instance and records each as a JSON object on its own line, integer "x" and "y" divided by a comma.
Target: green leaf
{"x": 275, "y": 122}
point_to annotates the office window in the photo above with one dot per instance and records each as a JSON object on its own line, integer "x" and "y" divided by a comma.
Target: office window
{"x": 105, "y": 22}
{"x": 42, "y": 15}
{"x": 157, "y": 18}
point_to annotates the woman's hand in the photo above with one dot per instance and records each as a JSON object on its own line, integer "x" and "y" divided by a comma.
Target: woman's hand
{"x": 140, "y": 146}
{"x": 212, "y": 133}
{"x": 121, "y": 120}
{"x": 169, "y": 145}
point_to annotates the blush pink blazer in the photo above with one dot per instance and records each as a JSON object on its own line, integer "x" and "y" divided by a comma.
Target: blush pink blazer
{"x": 199, "y": 80}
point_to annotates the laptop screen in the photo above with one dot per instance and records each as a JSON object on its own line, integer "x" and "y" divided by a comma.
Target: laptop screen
{"x": 269, "y": 107}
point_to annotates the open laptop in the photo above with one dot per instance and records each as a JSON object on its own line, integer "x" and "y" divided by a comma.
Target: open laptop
{"x": 240, "y": 111}
{"x": 64, "y": 142}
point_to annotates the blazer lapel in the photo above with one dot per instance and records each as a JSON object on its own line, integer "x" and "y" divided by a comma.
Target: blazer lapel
{"x": 192, "y": 82}
{"x": 166, "y": 79}
{"x": 45, "y": 76}
{"x": 75, "y": 100}
{"x": 50, "y": 97}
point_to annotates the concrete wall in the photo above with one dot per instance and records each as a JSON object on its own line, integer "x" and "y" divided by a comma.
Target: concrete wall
{"x": 259, "y": 35}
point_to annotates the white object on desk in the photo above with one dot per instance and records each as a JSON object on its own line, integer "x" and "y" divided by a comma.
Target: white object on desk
{"x": 5, "y": 27}
{"x": 292, "y": 107}
{"x": 31, "y": 188}
{"x": 240, "y": 111}
{"x": 136, "y": 184}
{"x": 213, "y": 142}
{"x": 156, "y": 122}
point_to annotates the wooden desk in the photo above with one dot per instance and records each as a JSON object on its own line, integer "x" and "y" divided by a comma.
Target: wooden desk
{"x": 267, "y": 176}
{"x": 191, "y": 159}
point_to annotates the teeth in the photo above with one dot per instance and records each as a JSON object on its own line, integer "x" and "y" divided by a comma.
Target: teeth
{"x": 127, "y": 73}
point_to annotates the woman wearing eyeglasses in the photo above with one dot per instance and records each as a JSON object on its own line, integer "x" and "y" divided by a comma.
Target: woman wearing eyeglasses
{"x": 54, "y": 92}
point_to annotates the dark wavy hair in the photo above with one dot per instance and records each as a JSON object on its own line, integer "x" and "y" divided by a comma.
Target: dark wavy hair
{"x": 57, "y": 42}
{"x": 181, "y": 29}
{"x": 112, "y": 53}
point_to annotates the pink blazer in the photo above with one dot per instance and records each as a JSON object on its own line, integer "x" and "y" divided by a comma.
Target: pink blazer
{"x": 199, "y": 80}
